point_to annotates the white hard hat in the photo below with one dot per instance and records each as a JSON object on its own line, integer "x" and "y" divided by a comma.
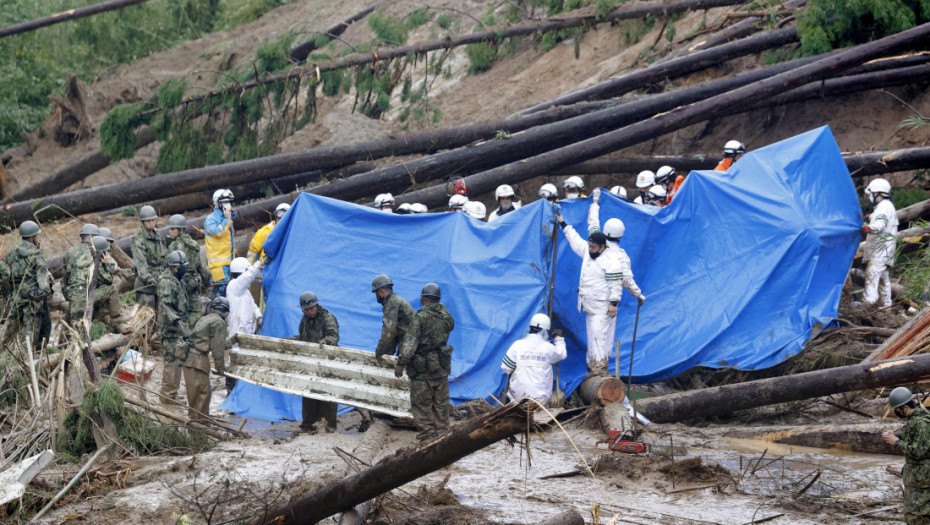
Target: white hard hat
{"x": 664, "y": 173}
{"x": 540, "y": 321}
{"x": 384, "y": 199}
{"x": 475, "y": 209}
{"x": 619, "y": 191}
{"x": 645, "y": 179}
{"x": 280, "y": 210}
{"x": 656, "y": 192}
{"x": 221, "y": 196}
{"x": 404, "y": 208}
{"x": 878, "y": 186}
{"x": 418, "y": 207}
{"x": 504, "y": 190}
{"x": 573, "y": 182}
{"x": 239, "y": 265}
{"x": 614, "y": 229}
{"x": 457, "y": 201}
{"x": 548, "y": 191}
{"x": 733, "y": 147}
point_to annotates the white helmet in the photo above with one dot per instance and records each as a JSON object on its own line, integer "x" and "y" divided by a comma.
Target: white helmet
{"x": 619, "y": 191}
{"x": 654, "y": 193}
{"x": 548, "y": 191}
{"x": 384, "y": 199}
{"x": 404, "y": 208}
{"x": 614, "y": 229}
{"x": 417, "y": 207}
{"x": 734, "y": 147}
{"x": 475, "y": 209}
{"x": 877, "y": 186}
{"x": 239, "y": 265}
{"x": 222, "y": 196}
{"x": 645, "y": 179}
{"x": 504, "y": 190}
{"x": 573, "y": 183}
{"x": 457, "y": 201}
{"x": 664, "y": 173}
{"x": 540, "y": 321}
{"x": 280, "y": 210}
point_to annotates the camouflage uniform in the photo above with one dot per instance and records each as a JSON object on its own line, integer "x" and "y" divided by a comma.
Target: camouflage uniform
{"x": 323, "y": 329}
{"x": 915, "y": 443}
{"x": 428, "y": 367}
{"x": 77, "y": 272}
{"x": 31, "y": 291}
{"x": 208, "y": 336}
{"x": 197, "y": 277}
{"x": 6, "y": 287}
{"x": 398, "y": 326}
{"x": 172, "y": 325}
{"x": 149, "y": 254}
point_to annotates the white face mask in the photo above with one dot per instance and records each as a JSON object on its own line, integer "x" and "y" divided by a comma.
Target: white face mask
{"x": 571, "y": 195}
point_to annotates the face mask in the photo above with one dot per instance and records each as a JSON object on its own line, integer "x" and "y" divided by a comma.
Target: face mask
{"x": 181, "y": 271}
{"x": 506, "y": 205}
{"x": 379, "y": 298}
{"x": 571, "y": 195}
{"x": 595, "y": 255}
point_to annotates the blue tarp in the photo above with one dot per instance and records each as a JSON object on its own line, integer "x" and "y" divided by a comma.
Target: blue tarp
{"x": 737, "y": 270}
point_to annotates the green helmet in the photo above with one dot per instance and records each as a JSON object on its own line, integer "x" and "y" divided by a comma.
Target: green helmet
{"x": 106, "y": 234}
{"x": 380, "y": 282}
{"x": 177, "y": 258}
{"x": 147, "y": 213}
{"x": 432, "y": 291}
{"x": 89, "y": 229}
{"x": 100, "y": 244}
{"x": 899, "y": 396}
{"x": 28, "y": 229}
{"x": 220, "y": 303}
{"x": 177, "y": 221}
{"x": 308, "y": 300}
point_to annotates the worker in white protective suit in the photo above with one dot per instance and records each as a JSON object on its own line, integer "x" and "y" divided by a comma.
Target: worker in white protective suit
{"x": 605, "y": 271}
{"x": 880, "y": 243}
{"x": 644, "y": 180}
{"x": 244, "y": 315}
{"x": 506, "y": 200}
{"x": 529, "y": 361}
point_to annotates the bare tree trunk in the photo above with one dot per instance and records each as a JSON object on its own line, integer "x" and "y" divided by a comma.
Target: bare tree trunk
{"x": 299, "y": 52}
{"x": 65, "y": 16}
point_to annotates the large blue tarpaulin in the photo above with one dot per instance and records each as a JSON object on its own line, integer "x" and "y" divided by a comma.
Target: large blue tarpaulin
{"x": 737, "y": 271}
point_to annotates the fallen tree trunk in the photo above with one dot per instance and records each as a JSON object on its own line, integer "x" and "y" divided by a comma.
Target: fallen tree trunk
{"x": 726, "y": 399}
{"x": 922, "y": 208}
{"x": 906, "y": 331}
{"x": 866, "y": 437}
{"x": 65, "y": 16}
{"x": 299, "y": 52}
{"x": 403, "y": 467}
{"x": 602, "y": 389}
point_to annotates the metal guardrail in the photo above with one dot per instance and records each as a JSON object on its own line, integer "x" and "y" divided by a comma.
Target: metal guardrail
{"x": 328, "y": 373}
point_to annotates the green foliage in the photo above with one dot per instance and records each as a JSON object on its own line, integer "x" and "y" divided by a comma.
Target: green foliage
{"x": 489, "y": 18}
{"x": 829, "y": 24}
{"x": 129, "y": 211}
{"x": 171, "y": 92}
{"x": 388, "y": 30}
{"x": 775, "y": 56}
{"x": 419, "y": 17}
{"x": 97, "y": 330}
{"x": 273, "y": 54}
{"x": 670, "y": 33}
{"x": 904, "y": 197}
{"x": 480, "y": 56}
{"x": 444, "y": 20}
{"x": 604, "y": 7}
{"x": 117, "y": 131}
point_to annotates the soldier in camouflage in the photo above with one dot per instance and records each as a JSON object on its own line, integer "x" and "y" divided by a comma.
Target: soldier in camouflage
{"x": 172, "y": 322}
{"x": 317, "y": 326}
{"x": 31, "y": 286}
{"x": 148, "y": 255}
{"x": 914, "y": 441}
{"x": 197, "y": 280}
{"x": 398, "y": 319}
{"x": 208, "y": 336}
{"x": 429, "y": 365}
{"x": 76, "y": 267}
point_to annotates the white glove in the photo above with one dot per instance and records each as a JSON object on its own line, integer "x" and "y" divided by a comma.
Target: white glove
{"x": 596, "y": 194}
{"x": 642, "y": 298}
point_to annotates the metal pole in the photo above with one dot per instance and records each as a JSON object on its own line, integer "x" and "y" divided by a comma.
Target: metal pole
{"x": 632, "y": 350}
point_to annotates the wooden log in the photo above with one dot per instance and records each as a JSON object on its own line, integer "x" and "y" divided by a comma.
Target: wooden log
{"x": 864, "y": 438}
{"x": 299, "y": 52}
{"x": 726, "y": 399}
{"x": 569, "y": 517}
{"x": 65, "y": 16}
{"x": 904, "y": 329}
{"x": 614, "y": 416}
{"x": 403, "y": 467}
{"x": 922, "y": 208}
{"x": 602, "y": 390}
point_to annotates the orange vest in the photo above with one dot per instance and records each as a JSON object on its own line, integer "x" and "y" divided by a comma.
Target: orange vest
{"x": 724, "y": 164}
{"x": 679, "y": 180}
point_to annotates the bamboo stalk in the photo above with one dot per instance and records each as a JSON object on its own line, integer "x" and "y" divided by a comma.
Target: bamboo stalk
{"x": 70, "y": 484}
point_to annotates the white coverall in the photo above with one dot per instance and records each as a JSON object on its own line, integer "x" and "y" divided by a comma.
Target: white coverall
{"x": 879, "y": 252}
{"x": 530, "y": 361}
{"x": 497, "y": 212}
{"x": 243, "y": 312}
{"x": 601, "y": 282}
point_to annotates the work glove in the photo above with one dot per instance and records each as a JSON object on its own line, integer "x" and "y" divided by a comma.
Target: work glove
{"x": 865, "y": 229}
{"x": 399, "y": 371}
{"x": 642, "y": 299}
{"x": 37, "y": 293}
{"x": 596, "y": 194}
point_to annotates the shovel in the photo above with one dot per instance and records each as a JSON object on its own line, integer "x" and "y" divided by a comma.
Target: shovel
{"x": 557, "y": 397}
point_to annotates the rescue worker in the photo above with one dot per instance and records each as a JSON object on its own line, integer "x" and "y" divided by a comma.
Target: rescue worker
{"x": 197, "y": 278}
{"x": 573, "y": 187}
{"x": 75, "y": 275}
{"x": 31, "y": 286}
{"x": 605, "y": 271}
{"x": 529, "y": 362}
{"x": 644, "y": 180}
{"x": 124, "y": 264}
{"x": 172, "y": 323}
{"x": 732, "y": 151}
{"x": 549, "y": 192}
{"x": 106, "y": 294}
{"x": 914, "y": 441}
{"x": 219, "y": 237}
{"x": 256, "y": 252}
{"x": 475, "y": 210}
{"x": 655, "y": 196}
{"x": 456, "y": 186}
{"x": 398, "y": 321}
{"x": 428, "y": 365}
{"x": 417, "y": 208}
{"x": 881, "y": 242}
{"x": 385, "y": 202}
{"x": 244, "y": 315}
{"x": 506, "y": 201}
{"x": 207, "y": 337}
{"x": 457, "y": 202}
{"x": 317, "y": 325}
{"x": 670, "y": 180}
{"x": 619, "y": 191}
{"x": 148, "y": 255}
{"x": 404, "y": 209}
